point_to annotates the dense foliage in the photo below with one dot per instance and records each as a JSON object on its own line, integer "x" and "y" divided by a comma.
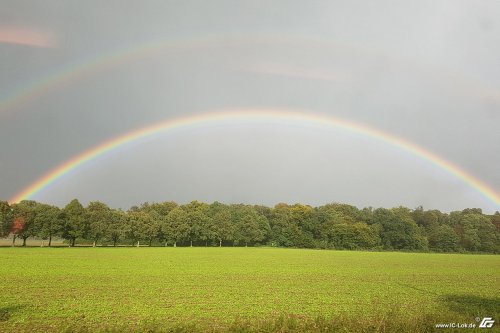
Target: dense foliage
{"x": 336, "y": 226}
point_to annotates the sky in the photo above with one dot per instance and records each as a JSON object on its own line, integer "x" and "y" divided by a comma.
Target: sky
{"x": 77, "y": 74}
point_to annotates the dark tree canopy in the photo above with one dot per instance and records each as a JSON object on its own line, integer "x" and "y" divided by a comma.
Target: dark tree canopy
{"x": 5, "y": 218}
{"x": 333, "y": 226}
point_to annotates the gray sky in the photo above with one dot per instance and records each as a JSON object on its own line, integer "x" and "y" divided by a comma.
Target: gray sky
{"x": 427, "y": 71}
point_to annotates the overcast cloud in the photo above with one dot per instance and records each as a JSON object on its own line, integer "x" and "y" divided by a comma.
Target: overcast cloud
{"x": 427, "y": 71}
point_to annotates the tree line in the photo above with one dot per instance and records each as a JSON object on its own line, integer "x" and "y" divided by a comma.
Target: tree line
{"x": 332, "y": 226}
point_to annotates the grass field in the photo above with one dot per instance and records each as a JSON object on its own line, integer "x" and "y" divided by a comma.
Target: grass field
{"x": 242, "y": 290}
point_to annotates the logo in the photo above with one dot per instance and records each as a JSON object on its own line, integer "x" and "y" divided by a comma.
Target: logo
{"x": 487, "y": 322}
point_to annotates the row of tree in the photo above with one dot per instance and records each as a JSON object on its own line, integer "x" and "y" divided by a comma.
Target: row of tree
{"x": 338, "y": 226}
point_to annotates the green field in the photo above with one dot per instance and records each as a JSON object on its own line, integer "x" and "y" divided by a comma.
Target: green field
{"x": 242, "y": 289}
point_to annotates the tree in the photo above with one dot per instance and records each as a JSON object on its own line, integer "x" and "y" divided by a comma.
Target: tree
{"x": 177, "y": 225}
{"x": 24, "y": 219}
{"x": 5, "y": 218}
{"x": 196, "y": 221}
{"x": 18, "y": 227}
{"x": 117, "y": 226}
{"x": 333, "y": 225}
{"x": 249, "y": 230}
{"x": 342, "y": 228}
{"x": 222, "y": 226}
{"x": 444, "y": 239}
{"x": 428, "y": 220}
{"x": 158, "y": 212}
{"x": 285, "y": 233}
{"x": 162, "y": 208}
{"x": 477, "y": 232}
{"x": 398, "y": 230}
{"x": 197, "y": 213}
{"x": 353, "y": 236}
{"x": 163, "y": 231}
{"x": 98, "y": 216}
{"x": 342, "y": 213}
{"x": 151, "y": 222}
{"x": 48, "y": 221}
{"x": 140, "y": 226}
{"x": 292, "y": 226}
{"x": 206, "y": 233}
{"x": 75, "y": 224}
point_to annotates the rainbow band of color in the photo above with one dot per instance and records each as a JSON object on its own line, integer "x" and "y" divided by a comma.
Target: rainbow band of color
{"x": 100, "y": 62}
{"x": 246, "y": 115}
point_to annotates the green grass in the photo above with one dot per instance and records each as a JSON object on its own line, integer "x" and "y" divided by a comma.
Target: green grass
{"x": 242, "y": 289}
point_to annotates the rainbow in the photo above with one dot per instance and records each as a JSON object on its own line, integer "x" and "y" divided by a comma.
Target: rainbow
{"x": 255, "y": 115}
{"x": 79, "y": 68}
{"x": 98, "y": 63}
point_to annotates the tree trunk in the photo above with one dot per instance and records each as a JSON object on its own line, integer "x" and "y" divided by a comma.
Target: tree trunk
{"x": 50, "y": 240}
{"x": 220, "y": 242}
{"x": 43, "y": 241}
{"x": 175, "y": 244}
{"x": 73, "y": 242}
{"x": 138, "y": 243}
{"x": 150, "y": 241}
{"x": 114, "y": 242}
{"x": 246, "y": 244}
{"x": 191, "y": 243}
{"x": 93, "y": 244}
{"x": 24, "y": 241}
{"x": 14, "y": 240}
{"x": 165, "y": 244}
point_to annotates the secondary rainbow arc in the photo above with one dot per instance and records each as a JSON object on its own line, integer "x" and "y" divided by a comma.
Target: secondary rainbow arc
{"x": 78, "y": 68}
{"x": 265, "y": 115}
{"x": 114, "y": 57}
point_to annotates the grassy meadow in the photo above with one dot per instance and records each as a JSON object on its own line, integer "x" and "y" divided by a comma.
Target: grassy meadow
{"x": 242, "y": 290}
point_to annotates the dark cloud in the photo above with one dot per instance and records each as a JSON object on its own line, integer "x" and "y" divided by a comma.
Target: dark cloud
{"x": 425, "y": 71}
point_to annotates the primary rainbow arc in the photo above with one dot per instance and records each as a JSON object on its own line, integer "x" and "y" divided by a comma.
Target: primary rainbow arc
{"x": 265, "y": 115}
